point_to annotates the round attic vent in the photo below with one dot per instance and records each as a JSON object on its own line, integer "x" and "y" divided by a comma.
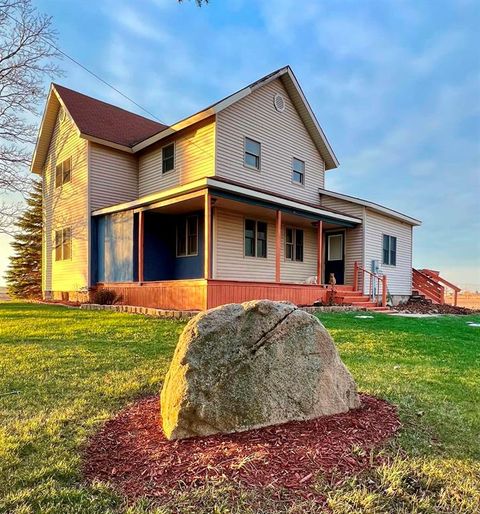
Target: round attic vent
{"x": 279, "y": 102}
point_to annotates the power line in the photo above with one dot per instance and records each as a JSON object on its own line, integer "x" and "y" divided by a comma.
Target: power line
{"x": 206, "y": 152}
{"x": 45, "y": 40}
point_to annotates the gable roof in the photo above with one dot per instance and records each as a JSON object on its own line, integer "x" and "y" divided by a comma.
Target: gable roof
{"x": 105, "y": 121}
{"x": 372, "y": 206}
{"x": 295, "y": 92}
{"x": 95, "y": 120}
{"x": 112, "y": 126}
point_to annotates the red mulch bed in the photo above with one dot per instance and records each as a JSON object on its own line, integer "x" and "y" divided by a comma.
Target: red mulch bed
{"x": 132, "y": 453}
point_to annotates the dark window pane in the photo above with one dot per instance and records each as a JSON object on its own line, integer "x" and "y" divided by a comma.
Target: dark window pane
{"x": 67, "y": 168}
{"x": 67, "y": 243}
{"x": 289, "y": 235}
{"x": 252, "y": 160}
{"x": 252, "y": 147}
{"x": 298, "y": 165}
{"x": 297, "y": 177}
{"x": 299, "y": 245}
{"x": 385, "y": 256}
{"x": 250, "y": 238}
{"x": 181, "y": 239}
{"x": 58, "y": 175}
{"x": 168, "y": 158}
{"x": 192, "y": 230}
{"x": 385, "y": 249}
{"x": 58, "y": 245}
{"x": 261, "y": 239}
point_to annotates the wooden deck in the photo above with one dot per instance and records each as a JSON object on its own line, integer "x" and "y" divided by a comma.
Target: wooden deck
{"x": 204, "y": 294}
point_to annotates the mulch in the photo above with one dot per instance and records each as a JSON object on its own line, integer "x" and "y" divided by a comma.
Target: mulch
{"x": 132, "y": 453}
{"x": 424, "y": 306}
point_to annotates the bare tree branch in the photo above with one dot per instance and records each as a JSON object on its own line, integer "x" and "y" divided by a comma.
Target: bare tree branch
{"x": 27, "y": 57}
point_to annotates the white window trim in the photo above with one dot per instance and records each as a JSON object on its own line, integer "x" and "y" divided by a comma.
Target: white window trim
{"x": 342, "y": 235}
{"x": 174, "y": 157}
{"x": 61, "y": 163}
{"x": 249, "y": 166}
{"x": 177, "y": 255}
{"x": 256, "y": 220}
{"x": 62, "y": 258}
{"x": 396, "y": 251}
{"x": 301, "y": 184}
{"x": 285, "y": 258}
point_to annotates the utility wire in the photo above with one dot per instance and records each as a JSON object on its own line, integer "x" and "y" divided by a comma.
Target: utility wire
{"x": 106, "y": 83}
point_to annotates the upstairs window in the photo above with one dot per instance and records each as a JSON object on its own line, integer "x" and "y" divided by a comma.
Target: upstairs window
{"x": 187, "y": 236}
{"x": 63, "y": 172}
{"x": 168, "y": 158}
{"x": 255, "y": 238}
{"x": 63, "y": 244}
{"x": 252, "y": 153}
{"x": 294, "y": 244}
{"x": 389, "y": 250}
{"x": 298, "y": 171}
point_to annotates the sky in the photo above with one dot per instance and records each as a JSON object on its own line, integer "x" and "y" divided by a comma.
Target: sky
{"x": 395, "y": 84}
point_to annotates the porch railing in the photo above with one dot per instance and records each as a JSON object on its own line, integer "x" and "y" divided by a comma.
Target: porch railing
{"x": 377, "y": 284}
{"x": 428, "y": 286}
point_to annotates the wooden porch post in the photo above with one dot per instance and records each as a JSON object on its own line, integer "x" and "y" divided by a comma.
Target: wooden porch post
{"x": 384, "y": 291}
{"x": 207, "y": 239}
{"x": 278, "y": 245}
{"x": 319, "y": 251}
{"x": 141, "y": 232}
{"x": 455, "y": 292}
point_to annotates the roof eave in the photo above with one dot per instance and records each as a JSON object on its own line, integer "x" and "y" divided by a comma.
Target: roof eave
{"x": 373, "y": 206}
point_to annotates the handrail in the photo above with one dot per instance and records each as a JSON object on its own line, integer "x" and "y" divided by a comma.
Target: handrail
{"x": 373, "y": 292}
{"x": 438, "y": 278}
{"x": 428, "y": 286}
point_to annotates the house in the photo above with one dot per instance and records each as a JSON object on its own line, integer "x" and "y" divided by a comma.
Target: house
{"x": 227, "y": 205}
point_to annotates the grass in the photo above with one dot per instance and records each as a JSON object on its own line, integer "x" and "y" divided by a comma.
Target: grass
{"x": 69, "y": 371}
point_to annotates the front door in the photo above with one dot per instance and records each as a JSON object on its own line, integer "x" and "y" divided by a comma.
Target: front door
{"x": 334, "y": 257}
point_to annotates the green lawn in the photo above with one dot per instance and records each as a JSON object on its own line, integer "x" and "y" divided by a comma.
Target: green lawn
{"x": 74, "y": 369}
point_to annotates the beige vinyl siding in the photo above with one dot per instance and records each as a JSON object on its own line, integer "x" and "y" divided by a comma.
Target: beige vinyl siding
{"x": 113, "y": 177}
{"x": 194, "y": 159}
{"x": 66, "y": 206}
{"x": 342, "y": 206}
{"x": 230, "y": 261}
{"x": 282, "y": 135}
{"x": 400, "y": 276}
{"x": 354, "y": 237}
{"x": 299, "y": 271}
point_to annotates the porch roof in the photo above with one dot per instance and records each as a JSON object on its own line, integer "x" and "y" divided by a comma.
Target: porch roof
{"x": 235, "y": 191}
{"x": 373, "y": 206}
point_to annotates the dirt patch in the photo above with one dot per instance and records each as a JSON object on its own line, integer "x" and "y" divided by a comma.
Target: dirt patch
{"x": 132, "y": 453}
{"x": 422, "y": 306}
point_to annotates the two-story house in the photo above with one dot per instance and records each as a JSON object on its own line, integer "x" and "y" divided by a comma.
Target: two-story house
{"x": 224, "y": 206}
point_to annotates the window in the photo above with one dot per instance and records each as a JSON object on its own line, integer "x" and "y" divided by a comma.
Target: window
{"x": 168, "y": 158}
{"x": 187, "y": 236}
{"x": 294, "y": 244}
{"x": 389, "y": 250}
{"x": 298, "y": 171}
{"x": 335, "y": 247}
{"x": 252, "y": 153}
{"x": 63, "y": 172}
{"x": 63, "y": 244}
{"x": 255, "y": 238}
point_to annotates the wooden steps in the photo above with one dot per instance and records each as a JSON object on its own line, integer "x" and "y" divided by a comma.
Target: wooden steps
{"x": 357, "y": 299}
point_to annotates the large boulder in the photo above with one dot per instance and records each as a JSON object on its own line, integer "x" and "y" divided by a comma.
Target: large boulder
{"x": 244, "y": 366}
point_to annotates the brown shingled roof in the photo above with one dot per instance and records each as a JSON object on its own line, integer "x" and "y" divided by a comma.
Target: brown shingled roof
{"x": 105, "y": 121}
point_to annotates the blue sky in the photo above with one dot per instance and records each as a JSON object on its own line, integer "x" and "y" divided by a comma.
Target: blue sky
{"x": 394, "y": 84}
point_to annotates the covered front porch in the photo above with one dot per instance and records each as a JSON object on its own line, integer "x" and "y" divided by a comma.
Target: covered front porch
{"x": 221, "y": 244}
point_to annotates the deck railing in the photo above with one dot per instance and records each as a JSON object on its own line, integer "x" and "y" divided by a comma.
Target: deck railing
{"x": 377, "y": 284}
{"x": 427, "y": 286}
{"x": 435, "y": 276}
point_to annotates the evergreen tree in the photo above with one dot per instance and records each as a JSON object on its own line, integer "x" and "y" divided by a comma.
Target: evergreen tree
{"x": 24, "y": 276}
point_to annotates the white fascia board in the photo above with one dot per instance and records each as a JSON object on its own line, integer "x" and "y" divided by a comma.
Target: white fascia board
{"x": 312, "y": 116}
{"x": 244, "y": 191}
{"x": 373, "y": 206}
{"x": 195, "y": 118}
{"x": 104, "y": 142}
{"x": 155, "y": 197}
